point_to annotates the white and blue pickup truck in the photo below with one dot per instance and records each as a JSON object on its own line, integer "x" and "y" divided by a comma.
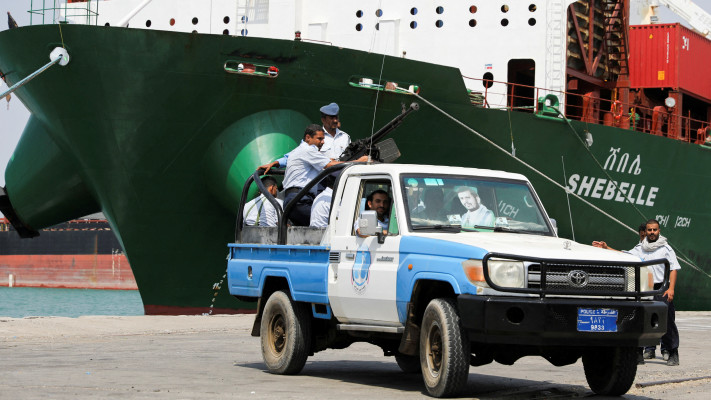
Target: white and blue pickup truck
{"x": 461, "y": 268}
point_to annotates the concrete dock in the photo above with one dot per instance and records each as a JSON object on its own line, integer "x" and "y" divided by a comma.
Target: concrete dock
{"x": 194, "y": 357}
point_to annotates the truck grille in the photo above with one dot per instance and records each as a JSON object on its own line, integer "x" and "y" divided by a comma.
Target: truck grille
{"x": 582, "y": 278}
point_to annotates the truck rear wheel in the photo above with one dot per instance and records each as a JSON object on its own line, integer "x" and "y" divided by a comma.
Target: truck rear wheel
{"x": 610, "y": 371}
{"x": 285, "y": 335}
{"x": 444, "y": 349}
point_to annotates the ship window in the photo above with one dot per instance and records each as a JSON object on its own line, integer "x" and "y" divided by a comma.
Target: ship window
{"x": 532, "y": 8}
{"x": 504, "y": 22}
{"x": 148, "y": 23}
{"x": 472, "y": 23}
{"x": 244, "y": 32}
{"x": 472, "y": 9}
{"x": 245, "y": 19}
{"x": 172, "y": 21}
{"x": 194, "y": 31}
{"x": 488, "y": 80}
{"x": 226, "y": 32}
{"x": 532, "y": 21}
{"x": 504, "y": 8}
{"x": 359, "y": 27}
{"x": 413, "y": 24}
{"x": 439, "y": 10}
{"x": 359, "y": 13}
{"x": 195, "y": 20}
{"x": 378, "y": 13}
{"x": 107, "y": 24}
{"x": 226, "y": 20}
{"x": 439, "y": 23}
{"x": 413, "y": 11}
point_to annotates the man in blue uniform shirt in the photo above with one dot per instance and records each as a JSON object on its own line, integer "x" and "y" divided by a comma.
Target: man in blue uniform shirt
{"x": 305, "y": 162}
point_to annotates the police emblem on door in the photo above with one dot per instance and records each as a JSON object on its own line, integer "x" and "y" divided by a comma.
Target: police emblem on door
{"x": 360, "y": 276}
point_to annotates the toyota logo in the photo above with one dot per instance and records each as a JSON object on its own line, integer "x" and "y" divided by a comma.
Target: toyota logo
{"x": 578, "y": 278}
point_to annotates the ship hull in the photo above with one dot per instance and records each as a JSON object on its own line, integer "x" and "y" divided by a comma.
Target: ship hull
{"x": 149, "y": 127}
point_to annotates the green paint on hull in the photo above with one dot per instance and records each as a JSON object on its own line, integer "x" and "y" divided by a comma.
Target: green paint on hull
{"x": 149, "y": 128}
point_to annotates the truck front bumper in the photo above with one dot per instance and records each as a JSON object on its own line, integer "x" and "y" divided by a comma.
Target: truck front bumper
{"x": 554, "y": 321}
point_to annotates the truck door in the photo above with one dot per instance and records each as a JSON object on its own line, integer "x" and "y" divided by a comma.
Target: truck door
{"x": 362, "y": 284}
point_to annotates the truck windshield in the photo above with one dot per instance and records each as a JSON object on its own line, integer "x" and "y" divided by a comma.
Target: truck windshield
{"x": 456, "y": 203}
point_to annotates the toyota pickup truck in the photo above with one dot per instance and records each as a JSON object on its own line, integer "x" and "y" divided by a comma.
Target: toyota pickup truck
{"x": 439, "y": 291}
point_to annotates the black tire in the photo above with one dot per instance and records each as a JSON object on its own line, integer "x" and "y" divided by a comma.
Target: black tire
{"x": 444, "y": 349}
{"x": 610, "y": 371}
{"x": 408, "y": 364}
{"x": 285, "y": 335}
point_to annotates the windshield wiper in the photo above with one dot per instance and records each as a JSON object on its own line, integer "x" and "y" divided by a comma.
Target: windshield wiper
{"x": 438, "y": 227}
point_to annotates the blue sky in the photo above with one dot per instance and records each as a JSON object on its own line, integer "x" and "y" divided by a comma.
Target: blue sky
{"x": 13, "y": 115}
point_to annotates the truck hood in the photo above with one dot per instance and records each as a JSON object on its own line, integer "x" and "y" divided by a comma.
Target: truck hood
{"x": 531, "y": 246}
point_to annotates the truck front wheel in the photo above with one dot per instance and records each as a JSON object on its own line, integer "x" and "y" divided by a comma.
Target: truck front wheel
{"x": 285, "y": 335}
{"x": 610, "y": 371}
{"x": 444, "y": 349}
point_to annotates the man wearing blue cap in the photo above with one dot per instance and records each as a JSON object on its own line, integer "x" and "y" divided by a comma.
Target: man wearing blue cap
{"x": 334, "y": 139}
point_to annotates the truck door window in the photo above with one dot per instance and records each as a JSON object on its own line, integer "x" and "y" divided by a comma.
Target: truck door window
{"x": 377, "y": 189}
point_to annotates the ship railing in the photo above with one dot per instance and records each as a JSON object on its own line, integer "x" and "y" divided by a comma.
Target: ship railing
{"x": 64, "y": 11}
{"x": 595, "y": 110}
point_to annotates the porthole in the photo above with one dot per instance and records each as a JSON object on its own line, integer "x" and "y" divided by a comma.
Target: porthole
{"x": 504, "y": 8}
{"x": 473, "y": 9}
{"x": 378, "y": 13}
{"x": 504, "y": 22}
{"x": 439, "y": 10}
{"x": 472, "y": 23}
{"x": 148, "y": 23}
{"x": 413, "y": 11}
{"x": 359, "y": 27}
{"x": 359, "y": 13}
{"x": 377, "y": 26}
{"x": 244, "y": 32}
{"x": 195, "y": 20}
{"x": 107, "y": 24}
{"x": 226, "y": 32}
{"x": 245, "y": 19}
{"x": 194, "y": 31}
{"x": 532, "y": 21}
{"x": 172, "y": 21}
{"x": 226, "y": 19}
{"x": 413, "y": 24}
{"x": 488, "y": 80}
{"x": 439, "y": 23}
{"x": 532, "y": 8}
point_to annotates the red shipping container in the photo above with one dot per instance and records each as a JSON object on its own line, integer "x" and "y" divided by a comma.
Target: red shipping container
{"x": 670, "y": 56}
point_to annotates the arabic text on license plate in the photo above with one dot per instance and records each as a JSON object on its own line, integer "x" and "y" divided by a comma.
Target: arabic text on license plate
{"x": 597, "y": 320}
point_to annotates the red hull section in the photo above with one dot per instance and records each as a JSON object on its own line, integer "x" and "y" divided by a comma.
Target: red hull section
{"x": 75, "y": 271}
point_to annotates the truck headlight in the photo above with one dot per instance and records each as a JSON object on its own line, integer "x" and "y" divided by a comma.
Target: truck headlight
{"x": 506, "y": 273}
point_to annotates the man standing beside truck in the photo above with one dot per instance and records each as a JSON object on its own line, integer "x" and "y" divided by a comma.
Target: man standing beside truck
{"x": 655, "y": 246}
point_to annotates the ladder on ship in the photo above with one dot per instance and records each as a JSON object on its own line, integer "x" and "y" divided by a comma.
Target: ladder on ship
{"x": 616, "y": 24}
{"x": 555, "y": 47}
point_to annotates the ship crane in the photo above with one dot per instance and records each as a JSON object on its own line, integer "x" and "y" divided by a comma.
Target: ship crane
{"x": 697, "y": 17}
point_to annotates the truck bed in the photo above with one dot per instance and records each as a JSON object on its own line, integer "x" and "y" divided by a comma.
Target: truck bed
{"x": 304, "y": 267}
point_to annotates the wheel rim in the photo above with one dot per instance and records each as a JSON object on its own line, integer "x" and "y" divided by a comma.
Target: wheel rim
{"x": 277, "y": 334}
{"x": 434, "y": 350}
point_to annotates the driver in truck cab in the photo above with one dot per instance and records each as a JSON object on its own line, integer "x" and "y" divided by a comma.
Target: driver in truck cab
{"x": 378, "y": 201}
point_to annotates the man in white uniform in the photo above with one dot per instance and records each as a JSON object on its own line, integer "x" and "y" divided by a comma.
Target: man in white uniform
{"x": 334, "y": 139}
{"x": 655, "y": 246}
{"x": 477, "y": 214}
{"x": 305, "y": 163}
{"x": 259, "y": 211}
{"x": 321, "y": 209}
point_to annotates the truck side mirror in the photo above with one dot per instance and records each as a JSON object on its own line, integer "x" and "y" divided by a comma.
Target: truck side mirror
{"x": 368, "y": 225}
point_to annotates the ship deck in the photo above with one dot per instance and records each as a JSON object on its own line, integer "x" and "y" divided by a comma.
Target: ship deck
{"x": 215, "y": 356}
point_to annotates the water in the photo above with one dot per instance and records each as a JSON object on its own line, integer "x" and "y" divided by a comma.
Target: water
{"x": 18, "y": 302}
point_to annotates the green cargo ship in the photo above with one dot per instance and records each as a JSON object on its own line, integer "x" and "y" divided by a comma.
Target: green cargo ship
{"x": 159, "y": 129}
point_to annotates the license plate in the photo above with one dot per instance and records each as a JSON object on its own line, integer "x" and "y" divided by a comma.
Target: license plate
{"x": 597, "y": 320}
